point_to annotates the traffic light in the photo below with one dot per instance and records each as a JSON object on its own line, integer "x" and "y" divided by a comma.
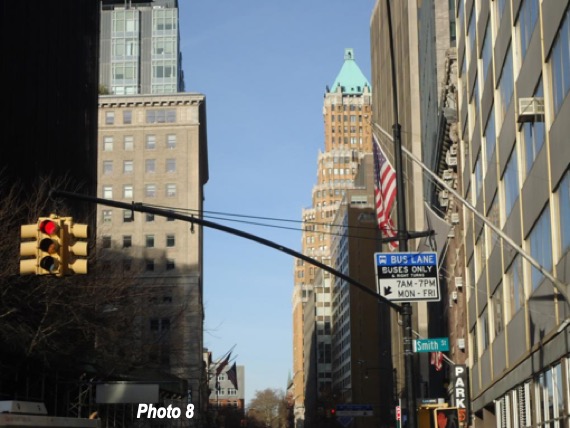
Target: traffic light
{"x": 75, "y": 248}
{"x": 446, "y": 417}
{"x": 50, "y": 246}
{"x": 53, "y": 246}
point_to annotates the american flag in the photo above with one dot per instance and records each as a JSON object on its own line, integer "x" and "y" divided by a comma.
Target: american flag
{"x": 384, "y": 192}
{"x": 436, "y": 360}
{"x": 222, "y": 364}
{"x": 232, "y": 375}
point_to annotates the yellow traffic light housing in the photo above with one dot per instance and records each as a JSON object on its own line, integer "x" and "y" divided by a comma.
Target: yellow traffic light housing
{"x": 53, "y": 246}
{"x": 75, "y": 246}
{"x": 50, "y": 245}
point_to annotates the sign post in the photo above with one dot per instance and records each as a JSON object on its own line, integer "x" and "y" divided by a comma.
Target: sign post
{"x": 407, "y": 277}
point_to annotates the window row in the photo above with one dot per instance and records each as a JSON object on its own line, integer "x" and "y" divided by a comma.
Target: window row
{"x": 149, "y": 166}
{"x": 148, "y": 265}
{"x": 150, "y": 142}
{"x": 150, "y": 191}
{"x": 149, "y": 240}
{"x": 160, "y": 70}
{"x": 128, "y": 216}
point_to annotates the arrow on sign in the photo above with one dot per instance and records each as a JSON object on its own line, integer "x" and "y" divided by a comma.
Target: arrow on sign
{"x": 387, "y": 290}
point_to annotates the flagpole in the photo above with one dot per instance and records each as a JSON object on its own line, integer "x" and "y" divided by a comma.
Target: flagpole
{"x": 402, "y": 235}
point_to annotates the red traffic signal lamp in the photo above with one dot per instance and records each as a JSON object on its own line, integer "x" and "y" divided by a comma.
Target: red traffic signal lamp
{"x": 446, "y": 417}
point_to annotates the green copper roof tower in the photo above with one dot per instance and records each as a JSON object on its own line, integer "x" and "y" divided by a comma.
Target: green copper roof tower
{"x": 350, "y": 79}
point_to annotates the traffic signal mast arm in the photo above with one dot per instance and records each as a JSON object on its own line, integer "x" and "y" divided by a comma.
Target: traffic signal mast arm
{"x": 205, "y": 223}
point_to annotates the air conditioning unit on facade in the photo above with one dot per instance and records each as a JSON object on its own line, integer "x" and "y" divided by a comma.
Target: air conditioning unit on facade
{"x": 443, "y": 198}
{"x": 448, "y": 174}
{"x": 453, "y": 149}
{"x": 461, "y": 343}
{"x": 450, "y": 160}
{"x": 459, "y": 282}
{"x": 531, "y": 109}
{"x": 454, "y": 218}
{"x": 454, "y": 296}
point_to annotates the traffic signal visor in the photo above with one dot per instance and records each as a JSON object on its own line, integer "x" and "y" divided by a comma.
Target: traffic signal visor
{"x": 76, "y": 246}
{"x": 29, "y": 249}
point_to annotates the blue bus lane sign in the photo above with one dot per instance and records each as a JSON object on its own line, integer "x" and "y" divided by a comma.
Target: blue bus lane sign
{"x": 407, "y": 277}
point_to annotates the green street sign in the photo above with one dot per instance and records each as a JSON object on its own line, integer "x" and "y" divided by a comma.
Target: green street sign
{"x": 439, "y": 344}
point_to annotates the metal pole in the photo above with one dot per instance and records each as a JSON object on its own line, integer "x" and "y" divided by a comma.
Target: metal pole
{"x": 402, "y": 236}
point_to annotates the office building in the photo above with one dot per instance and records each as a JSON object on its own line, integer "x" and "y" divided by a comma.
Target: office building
{"x": 140, "y": 48}
{"x": 514, "y": 117}
{"x": 361, "y": 359}
{"x": 153, "y": 150}
{"x": 347, "y": 136}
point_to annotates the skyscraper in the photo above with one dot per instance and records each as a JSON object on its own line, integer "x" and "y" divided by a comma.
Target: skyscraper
{"x": 346, "y": 114}
{"x": 140, "y": 47}
{"x": 153, "y": 149}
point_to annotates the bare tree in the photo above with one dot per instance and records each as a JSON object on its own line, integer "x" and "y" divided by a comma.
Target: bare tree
{"x": 70, "y": 322}
{"x": 268, "y": 409}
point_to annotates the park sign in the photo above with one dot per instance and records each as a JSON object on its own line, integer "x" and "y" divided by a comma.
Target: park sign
{"x": 407, "y": 277}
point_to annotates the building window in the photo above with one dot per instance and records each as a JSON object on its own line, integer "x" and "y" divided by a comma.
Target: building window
{"x": 149, "y": 265}
{"x": 487, "y": 51}
{"x": 128, "y": 216}
{"x": 490, "y": 138}
{"x": 128, "y": 167}
{"x": 108, "y": 192}
{"x": 150, "y": 165}
{"x": 471, "y": 32}
{"x": 484, "y": 329}
{"x": 506, "y": 83}
{"x": 171, "y": 141}
{"x": 170, "y": 265}
{"x": 151, "y": 142}
{"x": 127, "y": 241}
{"x": 107, "y": 216}
{"x": 514, "y": 280}
{"x": 498, "y": 300}
{"x": 129, "y": 143}
{"x": 528, "y": 17}
{"x": 109, "y": 117}
{"x": 170, "y": 165}
{"x": 564, "y": 206}
{"x": 560, "y": 60}
{"x": 150, "y": 190}
{"x": 106, "y": 241}
{"x": 171, "y": 190}
{"x": 127, "y": 117}
{"x": 511, "y": 182}
{"x": 108, "y": 144}
{"x": 149, "y": 241}
{"x": 170, "y": 240}
{"x": 128, "y": 191}
{"x": 127, "y": 265}
{"x": 540, "y": 238}
{"x": 161, "y": 116}
{"x": 478, "y": 176}
{"x": 107, "y": 167}
{"x": 149, "y": 217}
{"x": 534, "y": 133}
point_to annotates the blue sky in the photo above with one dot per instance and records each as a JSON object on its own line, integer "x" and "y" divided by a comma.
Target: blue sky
{"x": 263, "y": 66}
